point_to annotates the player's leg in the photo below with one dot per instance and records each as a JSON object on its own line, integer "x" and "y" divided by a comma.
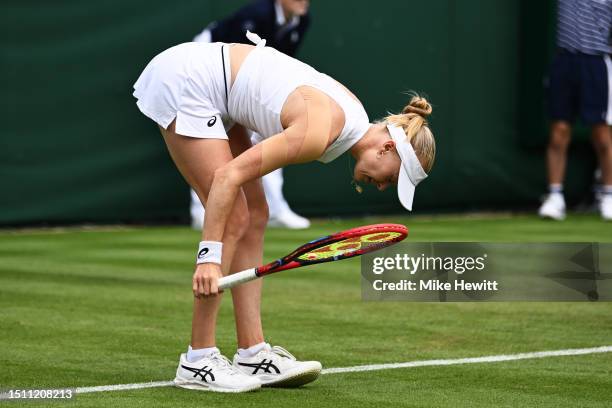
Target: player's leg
{"x": 277, "y": 366}
{"x": 196, "y": 209}
{"x": 203, "y": 367}
{"x": 197, "y": 159}
{"x": 247, "y": 297}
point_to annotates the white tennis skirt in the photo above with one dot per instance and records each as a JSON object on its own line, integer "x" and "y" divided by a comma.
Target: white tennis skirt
{"x": 190, "y": 83}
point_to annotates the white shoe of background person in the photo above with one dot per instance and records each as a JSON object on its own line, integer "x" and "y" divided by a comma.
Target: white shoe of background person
{"x": 553, "y": 207}
{"x": 280, "y": 213}
{"x": 597, "y": 186}
{"x": 276, "y": 367}
{"x": 213, "y": 373}
{"x": 605, "y": 207}
{"x": 288, "y": 219}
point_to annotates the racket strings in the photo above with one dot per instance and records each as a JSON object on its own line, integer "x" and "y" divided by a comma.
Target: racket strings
{"x": 351, "y": 246}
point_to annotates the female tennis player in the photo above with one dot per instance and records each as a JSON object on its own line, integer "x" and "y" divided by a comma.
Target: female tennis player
{"x": 203, "y": 96}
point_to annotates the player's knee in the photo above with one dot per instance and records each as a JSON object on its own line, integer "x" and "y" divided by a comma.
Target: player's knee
{"x": 560, "y": 136}
{"x": 602, "y": 147}
{"x": 560, "y": 126}
{"x": 602, "y": 142}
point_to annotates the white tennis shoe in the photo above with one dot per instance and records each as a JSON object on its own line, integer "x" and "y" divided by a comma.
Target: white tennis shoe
{"x": 276, "y": 367}
{"x": 605, "y": 207}
{"x": 553, "y": 207}
{"x": 213, "y": 373}
{"x": 288, "y": 219}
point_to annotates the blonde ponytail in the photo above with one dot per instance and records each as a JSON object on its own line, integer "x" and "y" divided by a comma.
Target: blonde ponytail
{"x": 413, "y": 121}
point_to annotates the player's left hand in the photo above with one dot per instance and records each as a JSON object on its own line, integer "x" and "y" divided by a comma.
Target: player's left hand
{"x": 205, "y": 280}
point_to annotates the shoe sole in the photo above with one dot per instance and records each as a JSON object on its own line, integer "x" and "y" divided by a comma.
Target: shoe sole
{"x": 551, "y": 217}
{"x": 295, "y": 381}
{"x": 190, "y": 385}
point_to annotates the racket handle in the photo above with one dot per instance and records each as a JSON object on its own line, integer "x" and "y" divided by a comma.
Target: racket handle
{"x": 237, "y": 278}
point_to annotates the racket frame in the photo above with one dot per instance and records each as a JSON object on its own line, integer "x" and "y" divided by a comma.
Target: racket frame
{"x": 292, "y": 260}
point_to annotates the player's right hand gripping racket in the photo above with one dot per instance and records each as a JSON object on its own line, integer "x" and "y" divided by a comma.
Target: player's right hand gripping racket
{"x": 341, "y": 245}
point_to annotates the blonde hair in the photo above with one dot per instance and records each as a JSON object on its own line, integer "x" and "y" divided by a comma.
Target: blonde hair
{"x": 413, "y": 121}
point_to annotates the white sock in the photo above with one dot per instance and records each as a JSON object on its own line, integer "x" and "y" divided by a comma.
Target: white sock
{"x": 555, "y": 189}
{"x": 251, "y": 351}
{"x": 197, "y": 354}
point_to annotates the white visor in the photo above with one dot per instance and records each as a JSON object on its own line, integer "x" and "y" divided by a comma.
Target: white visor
{"x": 411, "y": 173}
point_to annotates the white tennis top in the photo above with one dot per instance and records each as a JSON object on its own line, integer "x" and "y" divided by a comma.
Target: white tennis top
{"x": 265, "y": 80}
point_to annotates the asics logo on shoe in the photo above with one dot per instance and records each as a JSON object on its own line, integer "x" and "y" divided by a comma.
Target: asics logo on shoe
{"x": 202, "y": 372}
{"x": 265, "y": 366}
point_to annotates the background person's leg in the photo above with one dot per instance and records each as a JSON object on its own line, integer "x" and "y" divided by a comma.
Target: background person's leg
{"x": 556, "y": 163}
{"x": 602, "y": 142}
{"x": 596, "y": 110}
{"x": 281, "y": 215}
{"x": 563, "y": 99}
{"x": 556, "y": 152}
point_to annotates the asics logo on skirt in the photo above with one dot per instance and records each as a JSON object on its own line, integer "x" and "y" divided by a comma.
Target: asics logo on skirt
{"x": 212, "y": 121}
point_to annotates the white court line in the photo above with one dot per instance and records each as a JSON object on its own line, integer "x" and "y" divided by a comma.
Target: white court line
{"x": 375, "y": 367}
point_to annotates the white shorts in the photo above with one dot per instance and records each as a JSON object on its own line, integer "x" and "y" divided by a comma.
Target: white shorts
{"x": 189, "y": 83}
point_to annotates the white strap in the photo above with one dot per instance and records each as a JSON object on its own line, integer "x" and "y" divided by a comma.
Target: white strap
{"x": 255, "y": 39}
{"x": 234, "y": 279}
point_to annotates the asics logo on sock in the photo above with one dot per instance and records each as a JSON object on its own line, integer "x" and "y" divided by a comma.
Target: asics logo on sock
{"x": 265, "y": 366}
{"x": 202, "y": 372}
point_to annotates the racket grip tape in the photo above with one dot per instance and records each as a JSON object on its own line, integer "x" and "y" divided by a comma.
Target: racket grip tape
{"x": 237, "y": 278}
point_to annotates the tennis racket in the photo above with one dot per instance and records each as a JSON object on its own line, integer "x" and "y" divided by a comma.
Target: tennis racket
{"x": 341, "y": 245}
